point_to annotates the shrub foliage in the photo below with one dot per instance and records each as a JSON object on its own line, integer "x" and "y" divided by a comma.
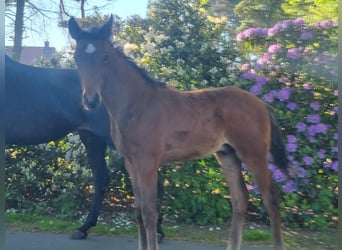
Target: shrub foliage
{"x": 291, "y": 66}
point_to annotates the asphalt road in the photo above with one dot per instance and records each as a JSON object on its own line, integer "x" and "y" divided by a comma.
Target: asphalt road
{"x": 48, "y": 241}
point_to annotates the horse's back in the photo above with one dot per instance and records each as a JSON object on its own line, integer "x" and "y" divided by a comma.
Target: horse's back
{"x": 198, "y": 123}
{"x": 41, "y": 104}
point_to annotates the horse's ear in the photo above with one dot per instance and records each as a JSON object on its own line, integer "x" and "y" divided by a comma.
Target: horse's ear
{"x": 74, "y": 29}
{"x": 106, "y": 30}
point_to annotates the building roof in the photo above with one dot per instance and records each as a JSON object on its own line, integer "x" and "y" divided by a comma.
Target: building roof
{"x": 30, "y": 54}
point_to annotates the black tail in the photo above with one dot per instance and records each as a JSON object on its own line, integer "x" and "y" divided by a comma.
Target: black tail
{"x": 277, "y": 149}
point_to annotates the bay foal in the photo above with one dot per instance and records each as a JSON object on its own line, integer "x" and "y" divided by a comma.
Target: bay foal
{"x": 153, "y": 123}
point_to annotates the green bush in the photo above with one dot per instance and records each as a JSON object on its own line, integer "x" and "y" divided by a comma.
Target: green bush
{"x": 291, "y": 66}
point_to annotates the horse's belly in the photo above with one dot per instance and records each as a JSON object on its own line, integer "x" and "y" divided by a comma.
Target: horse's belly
{"x": 191, "y": 146}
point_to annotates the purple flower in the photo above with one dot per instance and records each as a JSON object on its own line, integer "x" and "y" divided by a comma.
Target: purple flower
{"x": 291, "y": 139}
{"x": 274, "y": 48}
{"x": 291, "y": 147}
{"x": 306, "y": 35}
{"x": 334, "y": 149}
{"x": 283, "y": 24}
{"x": 331, "y": 164}
{"x": 290, "y": 186}
{"x": 256, "y": 89}
{"x": 261, "y": 80}
{"x": 251, "y": 32}
{"x": 321, "y": 153}
{"x": 321, "y": 128}
{"x": 335, "y": 166}
{"x": 315, "y": 106}
{"x": 308, "y": 160}
{"x": 248, "y": 76}
{"x": 301, "y": 172}
{"x": 258, "y": 67}
{"x": 269, "y": 97}
{"x": 293, "y": 53}
{"x": 278, "y": 175}
{"x": 292, "y": 106}
{"x": 313, "y": 118}
{"x": 301, "y": 126}
{"x": 311, "y": 130}
{"x": 284, "y": 94}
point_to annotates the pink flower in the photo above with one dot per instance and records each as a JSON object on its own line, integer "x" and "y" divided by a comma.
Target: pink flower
{"x": 245, "y": 67}
{"x": 274, "y": 48}
{"x": 298, "y": 22}
{"x": 240, "y": 36}
{"x": 264, "y": 59}
{"x": 324, "y": 24}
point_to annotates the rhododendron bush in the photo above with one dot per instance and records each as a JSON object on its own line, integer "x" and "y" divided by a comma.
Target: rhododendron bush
{"x": 292, "y": 67}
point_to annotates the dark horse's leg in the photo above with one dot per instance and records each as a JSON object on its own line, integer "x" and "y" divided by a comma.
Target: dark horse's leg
{"x": 95, "y": 148}
{"x": 159, "y": 202}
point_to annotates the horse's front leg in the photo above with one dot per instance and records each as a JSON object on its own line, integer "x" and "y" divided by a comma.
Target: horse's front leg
{"x": 144, "y": 175}
{"x": 95, "y": 148}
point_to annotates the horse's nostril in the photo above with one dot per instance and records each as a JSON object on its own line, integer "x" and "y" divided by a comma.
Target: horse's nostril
{"x": 91, "y": 104}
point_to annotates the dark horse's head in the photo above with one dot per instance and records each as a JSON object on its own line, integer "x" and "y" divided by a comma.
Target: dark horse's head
{"x": 91, "y": 57}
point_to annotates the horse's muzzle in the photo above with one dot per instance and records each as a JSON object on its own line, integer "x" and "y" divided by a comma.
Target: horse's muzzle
{"x": 91, "y": 103}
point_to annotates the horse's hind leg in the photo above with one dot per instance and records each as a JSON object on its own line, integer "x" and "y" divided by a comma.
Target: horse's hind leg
{"x": 231, "y": 166}
{"x": 270, "y": 197}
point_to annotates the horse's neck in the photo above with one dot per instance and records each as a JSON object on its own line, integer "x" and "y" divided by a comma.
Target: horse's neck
{"x": 126, "y": 87}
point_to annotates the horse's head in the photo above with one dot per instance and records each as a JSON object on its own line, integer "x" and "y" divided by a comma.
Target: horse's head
{"x": 91, "y": 56}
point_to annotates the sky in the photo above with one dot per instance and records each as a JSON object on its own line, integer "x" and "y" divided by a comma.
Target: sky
{"x": 59, "y": 37}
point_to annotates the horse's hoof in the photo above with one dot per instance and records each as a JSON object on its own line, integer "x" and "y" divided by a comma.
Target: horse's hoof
{"x": 78, "y": 235}
{"x": 160, "y": 237}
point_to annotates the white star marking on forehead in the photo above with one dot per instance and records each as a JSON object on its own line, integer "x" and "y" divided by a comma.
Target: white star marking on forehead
{"x": 90, "y": 49}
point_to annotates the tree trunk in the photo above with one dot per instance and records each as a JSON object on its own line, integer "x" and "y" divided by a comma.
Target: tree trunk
{"x": 82, "y": 8}
{"x": 18, "y": 29}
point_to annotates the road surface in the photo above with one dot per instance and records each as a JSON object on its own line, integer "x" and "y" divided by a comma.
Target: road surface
{"x": 49, "y": 241}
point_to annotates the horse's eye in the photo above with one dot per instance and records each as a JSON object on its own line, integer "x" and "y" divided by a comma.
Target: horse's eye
{"x": 105, "y": 59}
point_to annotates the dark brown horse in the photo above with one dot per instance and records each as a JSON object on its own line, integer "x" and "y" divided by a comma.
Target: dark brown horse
{"x": 152, "y": 123}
